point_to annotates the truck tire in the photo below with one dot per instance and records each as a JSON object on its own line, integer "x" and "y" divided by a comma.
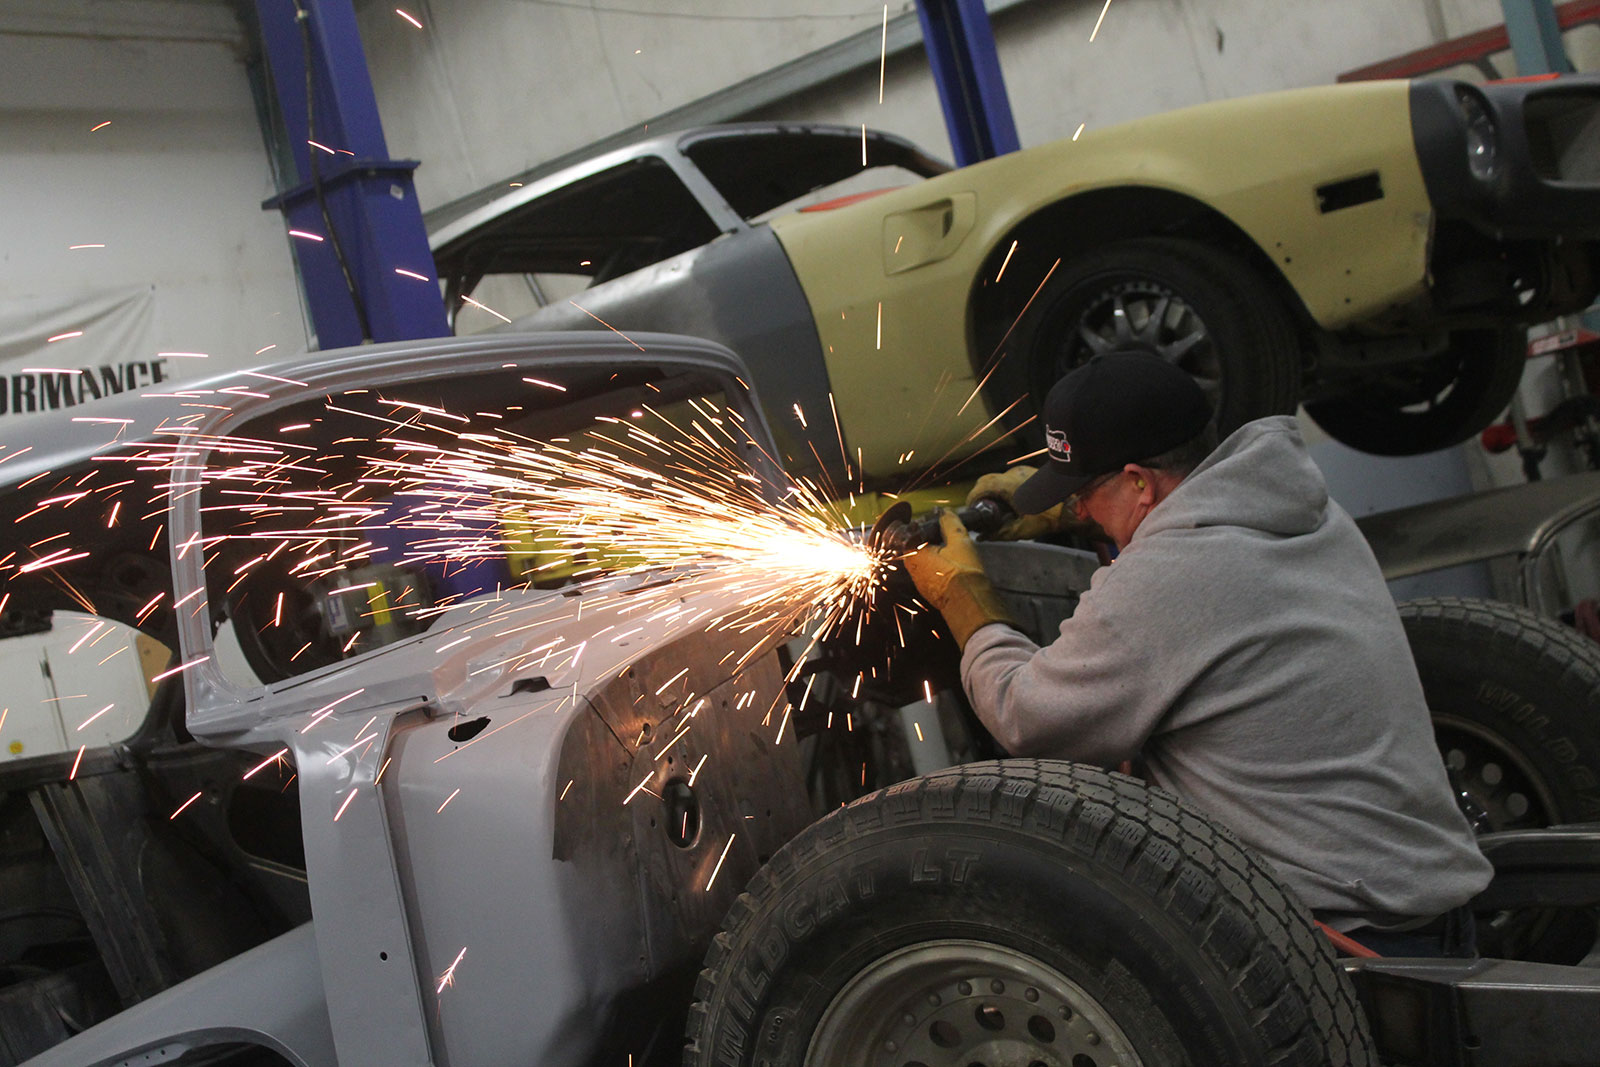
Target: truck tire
{"x": 1219, "y": 320}
{"x": 1433, "y": 404}
{"x": 1020, "y": 911}
{"x": 1515, "y": 700}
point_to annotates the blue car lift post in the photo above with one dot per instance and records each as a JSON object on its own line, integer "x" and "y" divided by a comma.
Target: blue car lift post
{"x": 966, "y": 71}
{"x": 350, "y": 193}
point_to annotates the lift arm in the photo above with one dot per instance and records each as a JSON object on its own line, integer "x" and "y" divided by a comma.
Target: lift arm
{"x": 353, "y": 217}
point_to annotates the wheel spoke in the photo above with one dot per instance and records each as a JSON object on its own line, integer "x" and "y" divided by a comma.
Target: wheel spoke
{"x": 1174, "y": 351}
{"x": 1119, "y": 318}
{"x": 1097, "y": 344}
{"x": 1151, "y": 333}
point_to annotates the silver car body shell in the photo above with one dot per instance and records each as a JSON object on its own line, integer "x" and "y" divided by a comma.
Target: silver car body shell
{"x": 517, "y": 847}
{"x": 739, "y": 288}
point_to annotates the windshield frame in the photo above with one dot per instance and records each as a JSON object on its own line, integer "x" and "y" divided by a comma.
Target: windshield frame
{"x": 218, "y": 705}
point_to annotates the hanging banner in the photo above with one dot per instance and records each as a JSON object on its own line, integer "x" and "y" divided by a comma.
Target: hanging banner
{"x": 58, "y": 352}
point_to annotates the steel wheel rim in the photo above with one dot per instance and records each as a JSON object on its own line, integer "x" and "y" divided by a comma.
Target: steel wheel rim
{"x": 1142, "y": 315}
{"x": 958, "y": 1003}
{"x": 1478, "y": 757}
{"x": 1468, "y": 750}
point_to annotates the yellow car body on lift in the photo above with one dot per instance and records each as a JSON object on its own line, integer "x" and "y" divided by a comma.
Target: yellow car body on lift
{"x": 1372, "y": 250}
{"x": 1257, "y": 160}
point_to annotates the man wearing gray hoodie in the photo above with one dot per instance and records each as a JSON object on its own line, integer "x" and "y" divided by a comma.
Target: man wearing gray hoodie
{"x": 1242, "y": 646}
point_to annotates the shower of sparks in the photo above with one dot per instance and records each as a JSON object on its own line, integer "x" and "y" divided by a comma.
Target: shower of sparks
{"x": 408, "y": 17}
{"x": 606, "y": 324}
{"x": 641, "y": 786}
{"x": 1079, "y": 130}
{"x": 185, "y": 804}
{"x": 863, "y": 144}
{"x": 63, "y": 337}
{"x": 103, "y": 125}
{"x": 73, "y": 774}
{"x": 448, "y": 978}
{"x": 655, "y": 513}
{"x": 74, "y": 248}
{"x": 485, "y": 307}
{"x": 264, "y": 764}
{"x": 883, "y": 52}
{"x": 448, "y": 799}
{"x": 95, "y": 716}
{"x": 1093, "y": 33}
{"x": 718, "y": 867}
{"x": 1004, "y": 263}
{"x": 412, "y": 274}
{"x": 308, "y": 236}
{"x": 182, "y": 666}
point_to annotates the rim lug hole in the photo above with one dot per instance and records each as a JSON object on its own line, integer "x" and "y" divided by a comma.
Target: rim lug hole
{"x": 1092, "y": 1037}
{"x": 964, "y": 988}
{"x": 908, "y": 1019}
{"x": 1031, "y": 996}
{"x": 933, "y": 1000}
{"x": 997, "y": 987}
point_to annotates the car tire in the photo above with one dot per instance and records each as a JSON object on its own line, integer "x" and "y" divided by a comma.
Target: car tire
{"x": 1021, "y": 911}
{"x": 1431, "y": 405}
{"x": 1515, "y": 701}
{"x": 1222, "y": 322}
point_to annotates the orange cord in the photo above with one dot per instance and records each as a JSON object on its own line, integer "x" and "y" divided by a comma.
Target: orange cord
{"x": 1348, "y": 945}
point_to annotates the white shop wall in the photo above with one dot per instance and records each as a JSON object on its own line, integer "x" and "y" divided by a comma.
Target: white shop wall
{"x": 489, "y": 88}
{"x": 172, "y": 188}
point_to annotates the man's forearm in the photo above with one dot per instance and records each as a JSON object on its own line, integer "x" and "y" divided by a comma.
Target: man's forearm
{"x": 1052, "y": 702}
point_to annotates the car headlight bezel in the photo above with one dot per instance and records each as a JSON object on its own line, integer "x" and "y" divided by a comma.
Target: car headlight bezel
{"x": 1482, "y": 134}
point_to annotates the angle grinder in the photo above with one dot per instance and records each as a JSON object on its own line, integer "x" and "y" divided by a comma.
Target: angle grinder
{"x": 898, "y": 533}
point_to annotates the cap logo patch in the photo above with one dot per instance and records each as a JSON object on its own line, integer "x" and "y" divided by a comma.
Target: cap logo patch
{"x": 1056, "y": 441}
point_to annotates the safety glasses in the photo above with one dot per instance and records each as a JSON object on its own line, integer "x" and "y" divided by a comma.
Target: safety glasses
{"x": 1077, "y": 503}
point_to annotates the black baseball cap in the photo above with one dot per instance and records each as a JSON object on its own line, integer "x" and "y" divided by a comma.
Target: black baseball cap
{"x": 1116, "y": 409}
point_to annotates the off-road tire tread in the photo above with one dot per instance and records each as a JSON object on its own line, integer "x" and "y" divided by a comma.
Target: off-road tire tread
{"x": 1519, "y": 642}
{"x": 1559, "y": 651}
{"x": 1251, "y": 929}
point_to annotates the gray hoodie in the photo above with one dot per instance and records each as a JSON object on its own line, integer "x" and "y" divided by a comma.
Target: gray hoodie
{"x": 1245, "y": 644}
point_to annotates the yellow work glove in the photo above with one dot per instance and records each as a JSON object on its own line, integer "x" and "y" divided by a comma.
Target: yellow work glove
{"x": 1023, "y": 527}
{"x": 951, "y": 578}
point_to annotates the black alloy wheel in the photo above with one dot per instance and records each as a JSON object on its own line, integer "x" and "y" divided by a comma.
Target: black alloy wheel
{"x": 1198, "y": 306}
